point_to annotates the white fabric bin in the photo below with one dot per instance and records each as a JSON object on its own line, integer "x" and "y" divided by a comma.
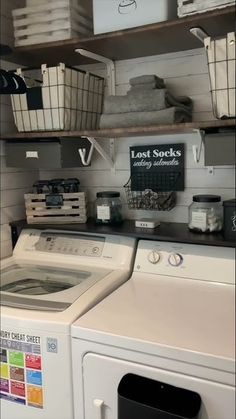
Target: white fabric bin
{"x": 112, "y": 15}
{"x": 65, "y": 99}
{"x": 221, "y": 65}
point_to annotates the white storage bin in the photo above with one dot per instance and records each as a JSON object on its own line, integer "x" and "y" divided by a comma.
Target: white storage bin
{"x": 51, "y": 21}
{"x": 221, "y": 65}
{"x": 66, "y": 99}
{"x": 189, "y": 7}
{"x": 112, "y": 15}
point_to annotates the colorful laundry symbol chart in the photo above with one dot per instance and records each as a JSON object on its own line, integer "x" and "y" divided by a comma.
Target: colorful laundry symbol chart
{"x": 4, "y": 385}
{"x": 17, "y": 374}
{"x": 3, "y": 355}
{"x": 35, "y": 396}
{"x": 16, "y": 358}
{"x": 33, "y": 362}
{"x": 4, "y": 371}
{"x": 34, "y": 377}
{"x": 18, "y": 389}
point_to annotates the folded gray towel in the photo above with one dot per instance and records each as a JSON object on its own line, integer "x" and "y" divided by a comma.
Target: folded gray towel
{"x": 146, "y": 79}
{"x": 144, "y": 86}
{"x": 142, "y": 119}
{"x": 145, "y": 101}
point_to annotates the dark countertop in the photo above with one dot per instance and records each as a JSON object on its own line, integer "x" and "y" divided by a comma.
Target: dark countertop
{"x": 172, "y": 232}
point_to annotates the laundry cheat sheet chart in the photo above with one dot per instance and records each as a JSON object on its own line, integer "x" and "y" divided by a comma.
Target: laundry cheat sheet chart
{"x": 21, "y": 369}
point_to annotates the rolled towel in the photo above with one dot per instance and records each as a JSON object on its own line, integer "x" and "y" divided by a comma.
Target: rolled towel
{"x": 145, "y": 101}
{"x": 147, "y": 79}
{"x": 142, "y": 119}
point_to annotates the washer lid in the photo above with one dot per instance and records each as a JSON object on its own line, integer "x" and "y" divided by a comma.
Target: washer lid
{"x": 45, "y": 287}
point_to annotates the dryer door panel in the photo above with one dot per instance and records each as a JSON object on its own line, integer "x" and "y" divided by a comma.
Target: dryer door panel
{"x": 102, "y": 375}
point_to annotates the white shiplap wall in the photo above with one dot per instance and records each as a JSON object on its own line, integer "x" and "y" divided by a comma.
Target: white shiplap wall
{"x": 185, "y": 73}
{"x": 14, "y": 182}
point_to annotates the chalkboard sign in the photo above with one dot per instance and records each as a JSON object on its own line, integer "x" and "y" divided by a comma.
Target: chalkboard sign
{"x": 157, "y": 167}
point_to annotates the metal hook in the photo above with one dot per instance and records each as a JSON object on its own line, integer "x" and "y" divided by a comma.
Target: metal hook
{"x": 82, "y": 153}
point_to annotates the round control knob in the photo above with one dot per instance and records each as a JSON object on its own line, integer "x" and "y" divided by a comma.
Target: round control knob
{"x": 154, "y": 257}
{"x": 175, "y": 259}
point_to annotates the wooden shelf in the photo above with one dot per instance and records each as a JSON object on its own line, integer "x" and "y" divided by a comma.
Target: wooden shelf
{"x": 173, "y": 232}
{"x": 127, "y": 132}
{"x": 159, "y": 38}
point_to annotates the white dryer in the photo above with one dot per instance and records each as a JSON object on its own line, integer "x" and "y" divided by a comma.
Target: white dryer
{"x": 172, "y": 324}
{"x": 53, "y": 278}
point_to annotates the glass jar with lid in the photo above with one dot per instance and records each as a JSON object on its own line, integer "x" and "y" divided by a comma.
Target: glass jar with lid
{"x": 206, "y": 214}
{"x": 108, "y": 208}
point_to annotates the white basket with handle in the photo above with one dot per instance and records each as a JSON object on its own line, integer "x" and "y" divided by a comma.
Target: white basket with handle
{"x": 190, "y": 7}
{"x": 221, "y": 65}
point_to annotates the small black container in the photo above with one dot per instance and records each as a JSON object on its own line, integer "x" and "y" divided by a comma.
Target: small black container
{"x": 56, "y": 185}
{"x": 143, "y": 398}
{"x": 41, "y": 186}
{"x": 71, "y": 185}
{"x": 230, "y": 219}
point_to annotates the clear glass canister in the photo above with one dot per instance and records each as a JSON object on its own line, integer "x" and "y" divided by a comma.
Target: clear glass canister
{"x": 108, "y": 208}
{"x": 206, "y": 214}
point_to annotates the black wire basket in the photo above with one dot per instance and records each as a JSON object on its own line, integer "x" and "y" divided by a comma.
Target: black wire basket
{"x": 152, "y": 191}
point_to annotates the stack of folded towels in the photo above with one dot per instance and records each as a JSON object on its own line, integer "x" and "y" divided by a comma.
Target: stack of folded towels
{"x": 147, "y": 102}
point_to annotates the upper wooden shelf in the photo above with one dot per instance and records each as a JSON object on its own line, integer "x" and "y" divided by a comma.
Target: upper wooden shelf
{"x": 158, "y": 38}
{"x": 127, "y": 132}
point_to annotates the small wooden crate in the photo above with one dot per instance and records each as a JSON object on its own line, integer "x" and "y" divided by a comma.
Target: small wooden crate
{"x": 72, "y": 208}
{"x": 56, "y": 20}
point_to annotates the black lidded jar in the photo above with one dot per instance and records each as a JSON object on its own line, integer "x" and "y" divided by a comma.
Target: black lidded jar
{"x": 230, "y": 219}
{"x": 206, "y": 214}
{"x": 108, "y": 208}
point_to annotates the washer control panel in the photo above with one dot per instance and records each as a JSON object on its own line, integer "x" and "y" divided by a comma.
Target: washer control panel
{"x": 69, "y": 244}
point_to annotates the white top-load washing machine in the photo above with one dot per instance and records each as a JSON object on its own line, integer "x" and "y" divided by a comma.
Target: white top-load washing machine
{"x": 172, "y": 323}
{"x": 52, "y": 279}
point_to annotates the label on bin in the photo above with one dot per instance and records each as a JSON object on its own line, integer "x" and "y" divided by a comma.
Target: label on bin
{"x": 32, "y": 155}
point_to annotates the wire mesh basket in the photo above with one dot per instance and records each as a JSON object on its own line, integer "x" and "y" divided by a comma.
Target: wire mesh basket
{"x": 152, "y": 191}
{"x": 58, "y": 98}
{"x": 221, "y": 67}
{"x": 149, "y": 200}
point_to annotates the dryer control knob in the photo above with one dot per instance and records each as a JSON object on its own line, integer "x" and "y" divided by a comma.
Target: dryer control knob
{"x": 154, "y": 257}
{"x": 175, "y": 259}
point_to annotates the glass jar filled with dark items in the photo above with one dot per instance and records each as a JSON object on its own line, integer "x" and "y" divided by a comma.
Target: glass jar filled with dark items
{"x": 108, "y": 208}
